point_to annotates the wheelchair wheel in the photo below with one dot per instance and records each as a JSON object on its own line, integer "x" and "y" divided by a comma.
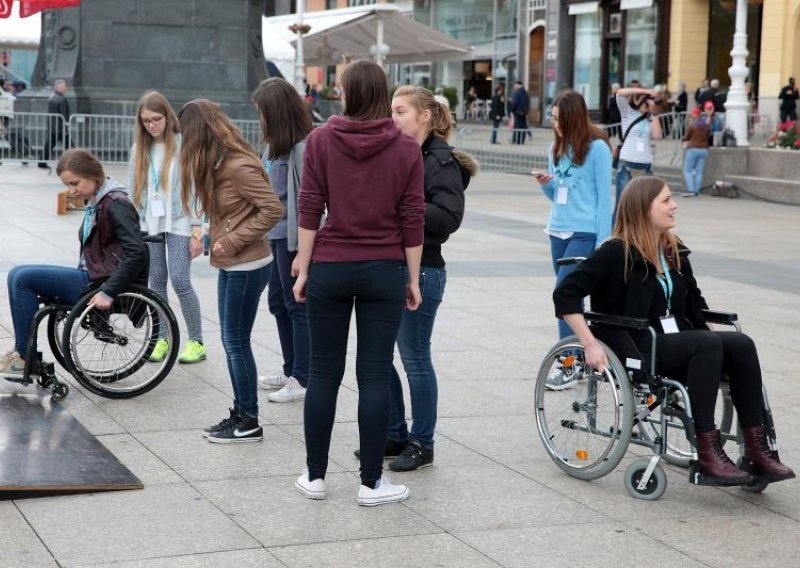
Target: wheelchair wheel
{"x": 586, "y": 428}
{"x": 108, "y": 351}
{"x": 55, "y": 333}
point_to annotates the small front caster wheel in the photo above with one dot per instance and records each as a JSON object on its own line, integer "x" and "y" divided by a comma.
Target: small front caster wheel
{"x": 655, "y": 486}
{"x": 60, "y": 391}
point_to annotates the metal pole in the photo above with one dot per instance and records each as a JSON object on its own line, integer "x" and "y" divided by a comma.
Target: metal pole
{"x": 494, "y": 47}
{"x": 299, "y": 63}
{"x": 737, "y": 107}
{"x": 379, "y": 43}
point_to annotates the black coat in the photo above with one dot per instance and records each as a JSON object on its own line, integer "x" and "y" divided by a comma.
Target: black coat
{"x": 498, "y": 107}
{"x": 602, "y": 276}
{"x": 447, "y": 175}
{"x": 58, "y": 104}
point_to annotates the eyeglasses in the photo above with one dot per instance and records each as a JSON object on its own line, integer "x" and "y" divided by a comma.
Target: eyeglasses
{"x": 549, "y": 116}
{"x": 155, "y": 120}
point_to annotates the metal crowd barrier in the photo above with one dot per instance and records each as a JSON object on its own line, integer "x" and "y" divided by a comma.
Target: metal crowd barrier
{"x": 32, "y": 137}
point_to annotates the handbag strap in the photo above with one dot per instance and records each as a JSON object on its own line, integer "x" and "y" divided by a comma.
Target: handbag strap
{"x": 630, "y": 126}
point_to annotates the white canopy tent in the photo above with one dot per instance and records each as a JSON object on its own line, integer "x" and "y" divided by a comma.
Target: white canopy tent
{"x": 347, "y": 33}
{"x": 20, "y": 31}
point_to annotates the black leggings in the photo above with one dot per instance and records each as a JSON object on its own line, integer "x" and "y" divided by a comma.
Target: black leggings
{"x": 698, "y": 358}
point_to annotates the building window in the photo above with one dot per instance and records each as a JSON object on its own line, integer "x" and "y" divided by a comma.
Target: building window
{"x": 640, "y": 45}
{"x": 588, "y": 55}
{"x": 351, "y": 3}
{"x": 331, "y": 4}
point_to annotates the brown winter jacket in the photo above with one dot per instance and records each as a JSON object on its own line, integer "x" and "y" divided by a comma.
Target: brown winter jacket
{"x": 246, "y": 208}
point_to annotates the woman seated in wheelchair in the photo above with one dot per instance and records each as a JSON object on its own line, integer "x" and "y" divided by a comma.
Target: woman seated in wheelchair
{"x": 112, "y": 255}
{"x": 644, "y": 272}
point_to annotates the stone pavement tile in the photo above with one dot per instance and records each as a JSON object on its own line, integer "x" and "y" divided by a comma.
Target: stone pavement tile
{"x": 481, "y": 365}
{"x": 161, "y": 520}
{"x": 274, "y": 513}
{"x": 251, "y": 558}
{"x": 423, "y": 551}
{"x": 292, "y": 412}
{"x": 178, "y": 403}
{"x": 505, "y": 439}
{"x": 139, "y": 459}
{"x": 597, "y": 544}
{"x": 488, "y": 497}
{"x": 608, "y": 496}
{"x": 195, "y": 459}
{"x": 92, "y": 417}
{"x": 730, "y": 541}
{"x": 477, "y": 398}
{"x": 345, "y": 440}
{"x": 19, "y": 544}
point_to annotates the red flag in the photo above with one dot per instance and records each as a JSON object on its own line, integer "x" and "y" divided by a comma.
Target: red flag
{"x": 31, "y": 7}
{"x": 5, "y": 8}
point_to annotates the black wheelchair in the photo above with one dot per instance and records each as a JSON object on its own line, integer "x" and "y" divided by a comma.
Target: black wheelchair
{"x": 107, "y": 351}
{"x": 588, "y": 428}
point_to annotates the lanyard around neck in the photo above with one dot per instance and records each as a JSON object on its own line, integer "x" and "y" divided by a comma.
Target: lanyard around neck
{"x": 155, "y": 177}
{"x": 666, "y": 282}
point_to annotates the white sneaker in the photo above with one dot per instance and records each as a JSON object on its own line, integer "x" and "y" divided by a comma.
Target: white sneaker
{"x": 272, "y": 381}
{"x": 383, "y": 493}
{"x": 291, "y": 392}
{"x": 312, "y": 489}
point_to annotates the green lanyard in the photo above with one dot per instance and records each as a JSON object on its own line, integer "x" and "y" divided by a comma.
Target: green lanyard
{"x": 155, "y": 178}
{"x": 666, "y": 282}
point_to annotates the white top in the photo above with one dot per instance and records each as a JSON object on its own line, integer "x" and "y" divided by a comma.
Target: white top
{"x": 247, "y": 266}
{"x": 151, "y": 223}
{"x": 7, "y": 103}
{"x": 637, "y": 145}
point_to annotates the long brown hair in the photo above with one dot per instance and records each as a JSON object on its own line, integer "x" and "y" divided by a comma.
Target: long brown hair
{"x": 83, "y": 164}
{"x": 155, "y": 102}
{"x": 365, "y": 90}
{"x": 634, "y": 228}
{"x": 283, "y": 115}
{"x": 422, "y": 99}
{"x": 576, "y": 127}
{"x": 209, "y": 136}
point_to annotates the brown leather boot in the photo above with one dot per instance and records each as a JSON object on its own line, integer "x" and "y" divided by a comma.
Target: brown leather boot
{"x": 715, "y": 463}
{"x": 764, "y": 461}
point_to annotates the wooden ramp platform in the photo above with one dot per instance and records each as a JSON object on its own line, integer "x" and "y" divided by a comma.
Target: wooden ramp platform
{"x": 44, "y": 450}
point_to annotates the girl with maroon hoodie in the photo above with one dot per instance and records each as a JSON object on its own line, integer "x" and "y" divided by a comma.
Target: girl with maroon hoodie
{"x": 368, "y": 175}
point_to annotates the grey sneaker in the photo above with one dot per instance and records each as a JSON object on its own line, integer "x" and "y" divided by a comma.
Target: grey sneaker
{"x": 564, "y": 376}
{"x": 12, "y": 366}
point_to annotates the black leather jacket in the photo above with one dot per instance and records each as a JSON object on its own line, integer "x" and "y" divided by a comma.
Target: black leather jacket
{"x": 114, "y": 253}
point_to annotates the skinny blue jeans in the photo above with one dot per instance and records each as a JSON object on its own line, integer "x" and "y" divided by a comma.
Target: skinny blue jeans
{"x": 414, "y": 343}
{"x": 238, "y": 294}
{"x": 29, "y": 282}
{"x": 579, "y": 244}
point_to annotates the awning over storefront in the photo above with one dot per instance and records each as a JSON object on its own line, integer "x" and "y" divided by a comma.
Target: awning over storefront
{"x": 353, "y": 33}
{"x": 634, "y": 4}
{"x": 583, "y": 8}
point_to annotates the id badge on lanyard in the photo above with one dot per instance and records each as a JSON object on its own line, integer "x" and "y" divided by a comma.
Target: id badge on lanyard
{"x": 668, "y": 322}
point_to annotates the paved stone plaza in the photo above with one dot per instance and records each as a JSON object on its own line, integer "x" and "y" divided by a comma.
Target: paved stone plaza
{"x": 493, "y": 497}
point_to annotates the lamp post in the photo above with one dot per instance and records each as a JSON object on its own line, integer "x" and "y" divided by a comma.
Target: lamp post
{"x": 379, "y": 49}
{"x": 737, "y": 107}
{"x": 299, "y": 64}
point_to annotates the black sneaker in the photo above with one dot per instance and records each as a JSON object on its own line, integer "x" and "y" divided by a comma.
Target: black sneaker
{"x": 244, "y": 429}
{"x": 393, "y": 449}
{"x": 221, "y": 424}
{"x": 413, "y": 457}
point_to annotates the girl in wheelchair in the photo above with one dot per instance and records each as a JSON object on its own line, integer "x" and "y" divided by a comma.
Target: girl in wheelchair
{"x": 112, "y": 255}
{"x": 644, "y": 272}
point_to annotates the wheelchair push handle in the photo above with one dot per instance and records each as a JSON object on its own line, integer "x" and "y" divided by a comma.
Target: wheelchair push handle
{"x": 148, "y": 238}
{"x": 567, "y": 260}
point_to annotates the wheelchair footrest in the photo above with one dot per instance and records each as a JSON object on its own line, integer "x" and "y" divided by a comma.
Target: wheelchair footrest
{"x": 696, "y": 477}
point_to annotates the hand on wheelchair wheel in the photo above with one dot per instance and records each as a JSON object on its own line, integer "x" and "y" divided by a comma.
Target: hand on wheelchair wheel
{"x": 101, "y": 301}
{"x": 595, "y": 356}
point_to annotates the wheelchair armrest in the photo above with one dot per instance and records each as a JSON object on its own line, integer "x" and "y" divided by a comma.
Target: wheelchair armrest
{"x": 720, "y": 317}
{"x": 618, "y": 321}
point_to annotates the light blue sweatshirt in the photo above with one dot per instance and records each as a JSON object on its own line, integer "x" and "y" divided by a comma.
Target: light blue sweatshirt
{"x": 589, "y": 205}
